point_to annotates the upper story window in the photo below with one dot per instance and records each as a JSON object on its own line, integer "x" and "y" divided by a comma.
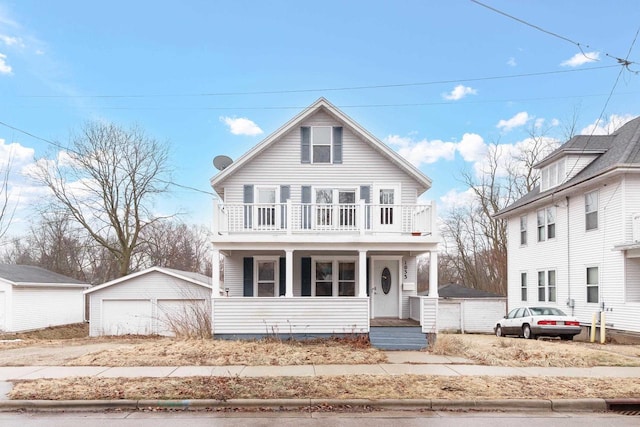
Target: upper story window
{"x": 553, "y": 175}
{"x": 321, "y": 144}
{"x": 591, "y": 210}
{"x": 523, "y": 230}
{"x": 546, "y": 223}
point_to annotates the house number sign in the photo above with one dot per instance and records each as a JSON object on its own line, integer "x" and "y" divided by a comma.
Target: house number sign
{"x": 385, "y": 280}
{"x": 405, "y": 270}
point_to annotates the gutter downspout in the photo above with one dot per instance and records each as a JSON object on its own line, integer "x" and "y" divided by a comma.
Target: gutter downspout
{"x": 569, "y": 260}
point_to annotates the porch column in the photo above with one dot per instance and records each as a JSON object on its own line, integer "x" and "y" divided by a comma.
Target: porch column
{"x": 215, "y": 274}
{"x": 433, "y": 274}
{"x": 288, "y": 279}
{"x": 362, "y": 271}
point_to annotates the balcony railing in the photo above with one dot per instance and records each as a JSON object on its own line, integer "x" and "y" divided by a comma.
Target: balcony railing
{"x": 310, "y": 218}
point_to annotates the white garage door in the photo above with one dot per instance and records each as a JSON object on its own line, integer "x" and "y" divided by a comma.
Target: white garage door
{"x": 3, "y": 311}
{"x": 449, "y": 316}
{"x": 181, "y": 316}
{"x": 121, "y": 317}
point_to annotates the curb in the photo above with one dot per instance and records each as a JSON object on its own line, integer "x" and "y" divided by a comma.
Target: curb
{"x": 555, "y": 405}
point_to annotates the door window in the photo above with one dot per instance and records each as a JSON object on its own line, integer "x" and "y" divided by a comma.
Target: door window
{"x": 266, "y": 208}
{"x": 266, "y": 279}
{"x": 387, "y": 197}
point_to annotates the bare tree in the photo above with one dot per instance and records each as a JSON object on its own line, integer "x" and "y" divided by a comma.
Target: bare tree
{"x": 107, "y": 181}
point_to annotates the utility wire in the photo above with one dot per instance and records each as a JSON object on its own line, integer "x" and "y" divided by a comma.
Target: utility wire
{"x": 57, "y": 145}
{"x": 625, "y": 62}
{"x": 329, "y": 89}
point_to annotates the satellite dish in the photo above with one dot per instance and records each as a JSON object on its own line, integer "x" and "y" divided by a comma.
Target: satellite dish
{"x": 222, "y": 162}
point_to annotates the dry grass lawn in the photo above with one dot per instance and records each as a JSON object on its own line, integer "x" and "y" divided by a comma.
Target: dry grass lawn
{"x": 342, "y": 387}
{"x": 491, "y": 350}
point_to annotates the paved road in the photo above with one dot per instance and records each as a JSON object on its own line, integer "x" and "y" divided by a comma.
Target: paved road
{"x": 390, "y": 419}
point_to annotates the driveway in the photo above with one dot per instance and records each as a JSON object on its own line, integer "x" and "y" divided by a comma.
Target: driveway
{"x": 53, "y": 355}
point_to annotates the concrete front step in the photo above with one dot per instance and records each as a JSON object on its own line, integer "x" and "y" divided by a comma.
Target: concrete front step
{"x": 397, "y": 338}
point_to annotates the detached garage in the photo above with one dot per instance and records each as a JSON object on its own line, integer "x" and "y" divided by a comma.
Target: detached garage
{"x": 156, "y": 301}
{"x": 466, "y": 310}
{"x": 34, "y": 298}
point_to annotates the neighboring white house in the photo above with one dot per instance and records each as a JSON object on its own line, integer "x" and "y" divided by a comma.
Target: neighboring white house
{"x": 574, "y": 241}
{"x": 34, "y": 298}
{"x": 153, "y": 301}
{"x": 467, "y": 310}
{"x": 319, "y": 226}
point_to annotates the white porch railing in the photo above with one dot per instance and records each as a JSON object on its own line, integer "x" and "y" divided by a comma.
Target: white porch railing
{"x": 286, "y": 316}
{"x": 425, "y": 311}
{"x": 310, "y": 218}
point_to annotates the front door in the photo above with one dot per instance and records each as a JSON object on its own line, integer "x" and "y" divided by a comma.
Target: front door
{"x": 385, "y": 288}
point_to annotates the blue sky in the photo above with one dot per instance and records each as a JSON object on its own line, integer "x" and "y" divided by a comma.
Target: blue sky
{"x": 436, "y": 80}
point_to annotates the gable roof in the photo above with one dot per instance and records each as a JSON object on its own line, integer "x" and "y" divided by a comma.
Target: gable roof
{"x": 195, "y": 278}
{"x": 29, "y": 275}
{"x": 616, "y": 151}
{"x": 453, "y": 290}
{"x": 323, "y": 104}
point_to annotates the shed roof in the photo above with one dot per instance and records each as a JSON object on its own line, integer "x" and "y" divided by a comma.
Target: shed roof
{"x": 458, "y": 291}
{"x": 189, "y": 276}
{"x": 31, "y": 275}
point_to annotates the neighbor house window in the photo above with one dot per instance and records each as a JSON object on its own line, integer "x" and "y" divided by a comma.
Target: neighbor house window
{"x": 551, "y": 285}
{"x": 541, "y": 286}
{"x": 541, "y": 226}
{"x": 551, "y": 222}
{"x": 523, "y": 230}
{"x": 267, "y": 274}
{"x": 592, "y": 284}
{"x": 327, "y": 283}
{"x": 523, "y": 286}
{"x": 591, "y": 210}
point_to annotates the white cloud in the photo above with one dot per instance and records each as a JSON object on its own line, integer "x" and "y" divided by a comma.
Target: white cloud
{"x": 241, "y": 126}
{"x": 581, "y": 58}
{"x": 472, "y": 147}
{"x": 11, "y": 41}
{"x": 512, "y": 62}
{"x": 555, "y": 122}
{"x": 608, "y": 126}
{"x": 454, "y": 199}
{"x": 424, "y": 151}
{"x": 518, "y": 120}
{"x": 459, "y": 92}
{"x": 4, "y": 67}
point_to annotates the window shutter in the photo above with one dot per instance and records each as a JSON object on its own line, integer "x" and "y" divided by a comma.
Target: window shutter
{"x": 368, "y": 274}
{"x": 305, "y": 278}
{"x": 283, "y": 276}
{"x": 337, "y": 144}
{"x": 247, "y": 277}
{"x": 306, "y": 210}
{"x": 305, "y": 144}
{"x": 248, "y": 209}
{"x": 285, "y": 194}
{"x": 365, "y": 194}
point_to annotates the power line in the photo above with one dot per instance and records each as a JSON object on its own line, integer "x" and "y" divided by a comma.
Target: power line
{"x": 329, "y": 89}
{"x": 624, "y": 62}
{"x": 57, "y": 145}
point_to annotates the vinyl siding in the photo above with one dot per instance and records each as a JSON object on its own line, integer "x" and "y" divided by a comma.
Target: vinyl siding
{"x": 575, "y": 164}
{"x": 282, "y": 317}
{"x": 151, "y": 287}
{"x": 280, "y": 165}
{"x": 35, "y": 308}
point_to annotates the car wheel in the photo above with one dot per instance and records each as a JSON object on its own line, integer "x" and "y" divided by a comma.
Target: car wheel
{"x": 499, "y": 331}
{"x": 526, "y": 333}
{"x": 566, "y": 337}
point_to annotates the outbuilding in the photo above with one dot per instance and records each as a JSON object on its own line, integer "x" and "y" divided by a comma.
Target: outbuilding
{"x": 467, "y": 310}
{"x": 34, "y": 298}
{"x": 156, "y": 301}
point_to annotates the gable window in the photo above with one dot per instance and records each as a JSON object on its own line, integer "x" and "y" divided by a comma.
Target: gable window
{"x": 523, "y": 286}
{"x": 591, "y": 210}
{"x": 593, "y": 280}
{"x": 541, "y": 286}
{"x": 327, "y": 283}
{"x": 551, "y": 285}
{"x": 265, "y": 279}
{"x": 523, "y": 230}
{"x": 321, "y": 144}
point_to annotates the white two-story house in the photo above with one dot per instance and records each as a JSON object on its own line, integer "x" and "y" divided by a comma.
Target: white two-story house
{"x": 319, "y": 227}
{"x": 574, "y": 242}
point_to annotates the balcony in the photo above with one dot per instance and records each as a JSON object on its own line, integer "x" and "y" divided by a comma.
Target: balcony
{"x": 304, "y": 218}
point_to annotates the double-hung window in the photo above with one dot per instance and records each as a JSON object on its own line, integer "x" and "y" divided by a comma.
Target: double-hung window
{"x": 591, "y": 210}
{"x": 334, "y": 277}
{"x": 523, "y": 286}
{"x": 542, "y": 226}
{"x": 321, "y": 144}
{"x": 342, "y": 216}
{"x": 551, "y": 222}
{"x": 593, "y": 280}
{"x": 551, "y": 285}
{"x": 523, "y": 230}
{"x": 546, "y": 223}
{"x": 541, "y": 286}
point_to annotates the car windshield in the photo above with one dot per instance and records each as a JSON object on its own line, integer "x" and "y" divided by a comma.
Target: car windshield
{"x": 546, "y": 311}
